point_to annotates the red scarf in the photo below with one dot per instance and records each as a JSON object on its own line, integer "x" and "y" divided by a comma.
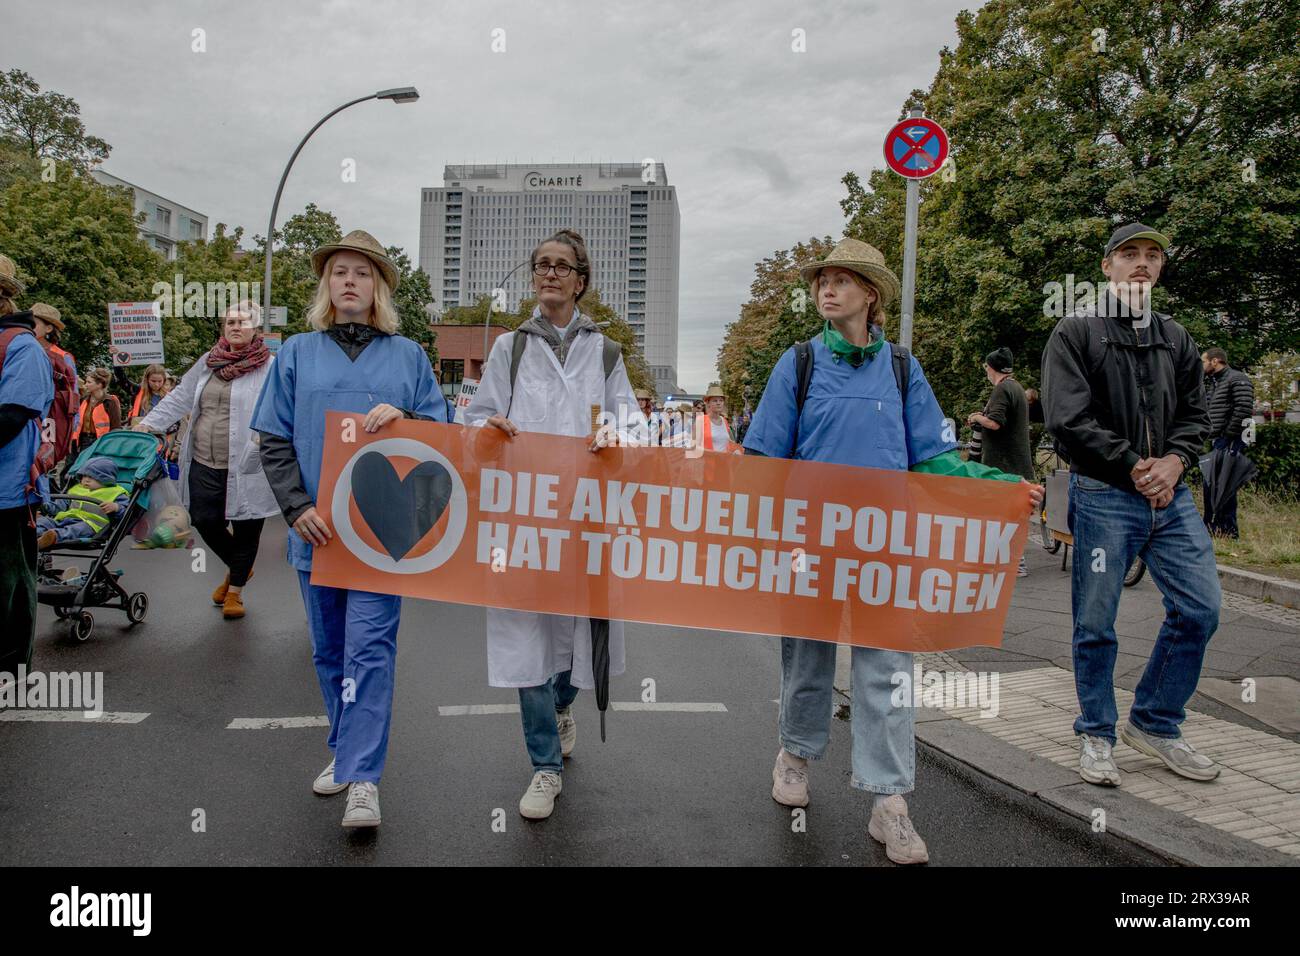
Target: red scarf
{"x": 230, "y": 362}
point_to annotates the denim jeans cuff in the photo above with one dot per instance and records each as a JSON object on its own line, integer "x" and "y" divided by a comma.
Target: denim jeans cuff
{"x": 857, "y": 784}
{"x": 1151, "y": 733}
{"x": 803, "y": 752}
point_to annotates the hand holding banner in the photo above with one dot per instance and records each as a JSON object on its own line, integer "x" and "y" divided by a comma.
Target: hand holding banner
{"x": 861, "y": 556}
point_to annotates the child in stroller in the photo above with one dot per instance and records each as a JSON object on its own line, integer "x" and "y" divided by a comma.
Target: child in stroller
{"x": 133, "y": 460}
{"x": 96, "y": 499}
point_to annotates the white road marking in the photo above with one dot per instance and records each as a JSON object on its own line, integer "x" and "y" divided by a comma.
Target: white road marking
{"x": 475, "y": 710}
{"x": 71, "y": 716}
{"x": 276, "y": 723}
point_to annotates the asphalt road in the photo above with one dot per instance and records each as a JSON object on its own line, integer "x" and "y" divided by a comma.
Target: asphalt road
{"x": 678, "y": 788}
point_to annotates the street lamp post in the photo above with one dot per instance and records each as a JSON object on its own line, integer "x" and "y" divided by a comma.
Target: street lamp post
{"x": 487, "y": 321}
{"x": 401, "y": 94}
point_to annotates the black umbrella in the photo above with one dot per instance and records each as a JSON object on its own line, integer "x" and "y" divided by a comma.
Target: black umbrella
{"x": 1225, "y": 471}
{"x": 600, "y": 667}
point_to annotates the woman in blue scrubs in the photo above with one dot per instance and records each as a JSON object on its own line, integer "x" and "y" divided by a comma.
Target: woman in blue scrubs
{"x": 354, "y": 362}
{"x": 854, "y": 414}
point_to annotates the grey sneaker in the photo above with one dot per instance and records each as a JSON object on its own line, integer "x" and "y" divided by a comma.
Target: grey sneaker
{"x": 568, "y": 730}
{"x": 1096, "y": 763}
{"x": 363, "y": 805}
{"x": 538, "y": 800}
{"x": 891, "y": 826}
{"x": 325, "y": 784}
{"x": 1177, "y": 754}
{"x": 789, "y": 780}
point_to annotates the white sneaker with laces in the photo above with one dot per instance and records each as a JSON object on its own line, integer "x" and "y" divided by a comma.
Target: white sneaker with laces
{"x": 325, "y": 784}
{"x": 1096, "y": 762}
{"x": 363, "y": 805}
{"x": 1176, "y": 753}
{"x": 891, "y": 826}
{"x": 539, "y": 799}
{"x": 568, "y": 730}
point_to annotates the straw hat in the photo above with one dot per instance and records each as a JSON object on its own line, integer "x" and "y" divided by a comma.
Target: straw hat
{"x": 642, "y": 395}
{"x": 358, "y": 241}
{"x": 715, "y": 391}
{"x": 9, "y": 282}
{"x": 866, "y": 260}
{"x": 48, "y": 313}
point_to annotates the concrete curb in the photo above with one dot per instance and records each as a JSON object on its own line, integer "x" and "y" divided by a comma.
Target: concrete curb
{"x": 1260, "y": 586}
{"x": 1169, "y": 834}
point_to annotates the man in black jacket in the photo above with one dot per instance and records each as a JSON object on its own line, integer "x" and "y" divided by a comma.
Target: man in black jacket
{"x": 1122, "y": 393}
{"x": 1231, "y": 400}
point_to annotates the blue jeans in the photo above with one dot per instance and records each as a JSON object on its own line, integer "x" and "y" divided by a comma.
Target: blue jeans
{"x": 537, "y": 707}
{"x": 884, "y": 738}
{"x": 354, "y": 638}
{"x": 65, "y": 529}
{"x": 1119, "y": 526}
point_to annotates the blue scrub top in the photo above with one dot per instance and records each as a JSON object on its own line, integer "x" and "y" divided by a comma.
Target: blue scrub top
{"x": 851, "y": 416}
{"x": 312, "y": 375}
{"x": 27, "y": 380}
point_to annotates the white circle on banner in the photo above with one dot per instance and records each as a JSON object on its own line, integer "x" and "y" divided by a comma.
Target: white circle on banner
{"x": 457, "y": 507}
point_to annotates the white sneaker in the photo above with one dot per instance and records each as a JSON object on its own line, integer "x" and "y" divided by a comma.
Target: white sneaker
{"x": 1022, "y": 571}
{"x": 363, "y": 805}
{"x": 539, "y": 799}
{"x": 325, "y": 784}
{"x": 568, "y": 730}
{"x": 1178, "y": 755}
{"x": 1096, "y": 763}
{"x": 890, "y": 825}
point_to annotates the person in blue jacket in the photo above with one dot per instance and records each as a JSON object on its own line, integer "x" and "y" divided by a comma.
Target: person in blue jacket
{"x": 26, "y": 391}
{"x": 354, "y": 362}
{"x": 853, "y": 414}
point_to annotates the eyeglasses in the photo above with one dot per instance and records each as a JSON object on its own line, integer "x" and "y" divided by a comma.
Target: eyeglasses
{"x": 562, "y": 269}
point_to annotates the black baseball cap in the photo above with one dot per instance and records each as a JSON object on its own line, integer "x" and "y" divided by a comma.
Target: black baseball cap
{"x": 1134, "y": 230}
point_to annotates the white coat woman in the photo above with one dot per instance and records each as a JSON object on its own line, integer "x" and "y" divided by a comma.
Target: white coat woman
{"x": 561, "y": 377}
{"x": 221, "y": 478}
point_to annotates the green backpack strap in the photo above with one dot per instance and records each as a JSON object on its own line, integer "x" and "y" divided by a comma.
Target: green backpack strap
{"x": 611, "y": 353}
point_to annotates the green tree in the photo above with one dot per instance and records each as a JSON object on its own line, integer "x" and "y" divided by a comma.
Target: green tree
{"x": 413, "y": 298}
{"x": 76, "y": 243}
{"x": 1275, "y": 379}
{"x": 1068, "y": 118}
{"x": 46, "y": 125}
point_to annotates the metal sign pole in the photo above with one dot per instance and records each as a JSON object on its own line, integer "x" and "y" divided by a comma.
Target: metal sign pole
{"x": 909, "y": 265}
{"x": 909, "y": 253}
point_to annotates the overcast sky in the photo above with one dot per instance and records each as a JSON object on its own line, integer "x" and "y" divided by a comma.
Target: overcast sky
{"x": 754, "y": 136}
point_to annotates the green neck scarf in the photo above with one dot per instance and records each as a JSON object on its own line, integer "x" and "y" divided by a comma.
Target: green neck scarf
{"x": 842, "y": 348}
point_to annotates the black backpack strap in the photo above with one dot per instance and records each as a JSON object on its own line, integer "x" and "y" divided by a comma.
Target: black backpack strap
{"x": 517, "y": 346}
{"x": 902, "y": 372}
{"x": 803, "y": 369}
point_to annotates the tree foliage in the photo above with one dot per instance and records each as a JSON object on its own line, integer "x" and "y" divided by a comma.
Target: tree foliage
{"x": 46, "y": 125}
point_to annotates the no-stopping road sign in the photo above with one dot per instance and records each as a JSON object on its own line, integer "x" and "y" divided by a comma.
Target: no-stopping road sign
{"x": 916, "y": 148}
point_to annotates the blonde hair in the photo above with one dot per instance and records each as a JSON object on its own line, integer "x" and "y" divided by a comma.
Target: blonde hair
{"x": 383, "y": 313}
{"x": 7, "y": 305}
{"x": 246, "y": 307}
{"x": 875, "y": 311}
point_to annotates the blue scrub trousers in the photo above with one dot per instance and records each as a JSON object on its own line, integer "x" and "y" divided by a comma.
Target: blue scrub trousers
{"x": 354, "y": 637}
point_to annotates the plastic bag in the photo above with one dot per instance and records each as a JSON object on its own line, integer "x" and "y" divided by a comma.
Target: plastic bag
{"x": 166, "y": 523}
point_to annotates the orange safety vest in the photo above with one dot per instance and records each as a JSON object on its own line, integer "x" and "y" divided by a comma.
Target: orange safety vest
{"x": 100, "y": 417}
{"x": 139, "y": 397}
{"x": 706, "y": 434}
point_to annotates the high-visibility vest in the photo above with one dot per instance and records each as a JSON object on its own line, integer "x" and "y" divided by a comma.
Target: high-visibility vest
{"x": 139, "y": 397}
{"x": 100, "y": 417}
{"x": 706, "y": 434}
{"x": 81, "y": 512}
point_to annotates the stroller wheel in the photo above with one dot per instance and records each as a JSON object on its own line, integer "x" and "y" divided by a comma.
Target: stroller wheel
{"x": 80, "y": 626}
{"x": 137, "y": 607}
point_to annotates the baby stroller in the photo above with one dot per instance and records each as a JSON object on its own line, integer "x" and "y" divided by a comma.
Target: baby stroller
{"x": 138, "y": 467}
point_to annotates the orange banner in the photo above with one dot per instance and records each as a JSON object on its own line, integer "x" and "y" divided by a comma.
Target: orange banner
{"x": 739, "y": 543}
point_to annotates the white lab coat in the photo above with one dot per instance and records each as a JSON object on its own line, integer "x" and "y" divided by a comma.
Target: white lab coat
{"x": 248, "y": 493}
{"x": 524, "y": 648}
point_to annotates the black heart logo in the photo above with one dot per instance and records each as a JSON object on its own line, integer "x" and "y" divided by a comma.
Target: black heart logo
{"x": 400, "y": 511}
